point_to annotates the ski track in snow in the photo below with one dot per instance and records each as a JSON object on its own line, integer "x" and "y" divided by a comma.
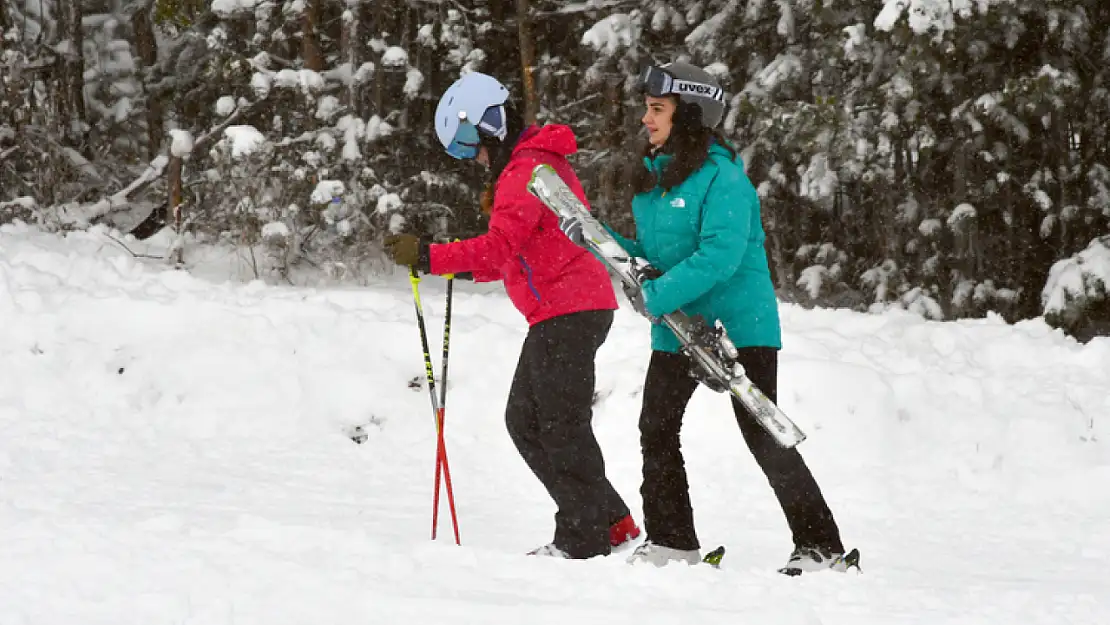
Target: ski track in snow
{"x": 174, "y": 451}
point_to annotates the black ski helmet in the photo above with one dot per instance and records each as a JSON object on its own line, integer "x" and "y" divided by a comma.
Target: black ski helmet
{"x": 691, "y": 84}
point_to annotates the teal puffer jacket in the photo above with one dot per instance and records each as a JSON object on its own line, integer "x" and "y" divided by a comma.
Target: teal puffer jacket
{"x": 707, "y": 237}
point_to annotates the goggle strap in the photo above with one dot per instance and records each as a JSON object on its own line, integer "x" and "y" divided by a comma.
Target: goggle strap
{"x": 680, "y": 87}
{"x": 666, "y": 83}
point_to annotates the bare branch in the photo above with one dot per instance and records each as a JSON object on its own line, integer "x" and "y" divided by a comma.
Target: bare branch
{"x": 570, "y": 105}
{"x": 133, "y": 254}
{"x": 81, "y": 215}
{"x": 213, "y": 135}
{"x": 66, "y": 153}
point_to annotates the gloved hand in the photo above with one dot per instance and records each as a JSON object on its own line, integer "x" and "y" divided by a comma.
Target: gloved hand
{"x": 407, "y": 249}
{"x": 636, "y": 298}
{"x": 644, "y": 274}
{"x": 573, "y": 229}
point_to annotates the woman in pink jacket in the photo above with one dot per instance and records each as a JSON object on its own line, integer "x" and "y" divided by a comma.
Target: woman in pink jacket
{"x": 562, "y": 290}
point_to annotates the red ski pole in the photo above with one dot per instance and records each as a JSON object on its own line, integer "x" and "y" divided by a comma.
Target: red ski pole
{"x": 442, "y": 453}
{"x": 437, "y": 413}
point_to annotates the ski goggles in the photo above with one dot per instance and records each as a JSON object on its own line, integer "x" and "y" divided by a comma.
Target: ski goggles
{"x": 467, "y": 141}
{"x": 657, "y": 82}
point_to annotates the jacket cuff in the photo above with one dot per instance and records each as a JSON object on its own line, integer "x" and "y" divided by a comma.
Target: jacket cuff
{"x": 424, "y": 258}
{"x": 651, "y": 298}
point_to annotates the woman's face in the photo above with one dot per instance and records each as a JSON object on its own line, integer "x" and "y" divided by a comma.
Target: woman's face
{"x": 657, "y": 119}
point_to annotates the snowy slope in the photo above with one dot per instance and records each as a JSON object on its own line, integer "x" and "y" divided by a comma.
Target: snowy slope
{"x": 173, "y": 451}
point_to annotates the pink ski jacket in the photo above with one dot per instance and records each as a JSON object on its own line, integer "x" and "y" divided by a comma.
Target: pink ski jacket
{"x": 546, "y": 274}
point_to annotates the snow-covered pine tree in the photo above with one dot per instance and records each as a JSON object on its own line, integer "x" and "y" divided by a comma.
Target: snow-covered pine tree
{"x": 939, "y": 150}
{"x": 1076, "y": 296}
{"x": 68, "y": 90}
{"x": 932, "y": 155}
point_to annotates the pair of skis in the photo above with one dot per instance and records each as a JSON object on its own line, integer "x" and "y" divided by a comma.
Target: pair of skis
{"x": 714, "y": 356}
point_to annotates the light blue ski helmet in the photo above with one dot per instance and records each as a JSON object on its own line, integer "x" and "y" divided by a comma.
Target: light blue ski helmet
{"x": 473, "y": 103}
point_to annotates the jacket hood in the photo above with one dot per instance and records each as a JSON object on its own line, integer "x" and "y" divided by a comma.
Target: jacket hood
{"x": 556, "y": 138}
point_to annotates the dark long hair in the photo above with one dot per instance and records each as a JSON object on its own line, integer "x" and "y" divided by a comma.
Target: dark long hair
{"x": 499, "y": 154}
{"x": 688, "y": 144}
{"x": 501, "y": 151}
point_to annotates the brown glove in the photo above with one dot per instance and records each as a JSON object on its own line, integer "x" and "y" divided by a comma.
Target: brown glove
{"x": 407, "y": 249}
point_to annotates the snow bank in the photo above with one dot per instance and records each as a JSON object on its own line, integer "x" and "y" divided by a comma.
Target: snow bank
{"x": 176, "y": 450}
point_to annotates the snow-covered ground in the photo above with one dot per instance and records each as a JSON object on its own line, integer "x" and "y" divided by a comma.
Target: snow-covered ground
{"x": 174, "y": 451}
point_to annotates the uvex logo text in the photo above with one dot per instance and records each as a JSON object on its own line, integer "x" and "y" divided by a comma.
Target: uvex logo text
{"x": 684, "y": 87}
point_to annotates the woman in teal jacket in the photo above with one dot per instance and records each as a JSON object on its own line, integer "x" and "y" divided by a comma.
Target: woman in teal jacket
{"x": 698, "y": 221}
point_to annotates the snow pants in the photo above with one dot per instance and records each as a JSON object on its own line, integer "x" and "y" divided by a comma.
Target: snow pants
{"x": 549, "y": 417}
{"x": 668, "y": 515}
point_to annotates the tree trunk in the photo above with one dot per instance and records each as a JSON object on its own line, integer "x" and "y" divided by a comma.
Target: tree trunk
{"x": 527, "y": 60}
{"x": 781, "y": 274}
{"x": 350, "y": 40}
{"x": 147, "y": 46}
{"x": 310, "y": 47}
{"x": 967, "y": 253}
{"x": 71, "y": 60}
{"x": 379, "y": 25}
{"x": 610, "y": 176}
{"x": 173, "y": 212}
{"x": 429, "y": 59}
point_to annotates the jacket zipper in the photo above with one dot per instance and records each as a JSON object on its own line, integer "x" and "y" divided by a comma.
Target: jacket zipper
{"x": 528, "y": 276}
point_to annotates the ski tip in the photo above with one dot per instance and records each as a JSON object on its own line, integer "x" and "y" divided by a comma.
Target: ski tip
{"x": 539, "y": 169}
{"x": 713, "y": 558}
{"x": 851, "y": 560}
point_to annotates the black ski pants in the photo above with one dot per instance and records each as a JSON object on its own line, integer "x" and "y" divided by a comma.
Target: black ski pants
{"x": 668, "y": 515}
{"x": 549, "y": 417}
